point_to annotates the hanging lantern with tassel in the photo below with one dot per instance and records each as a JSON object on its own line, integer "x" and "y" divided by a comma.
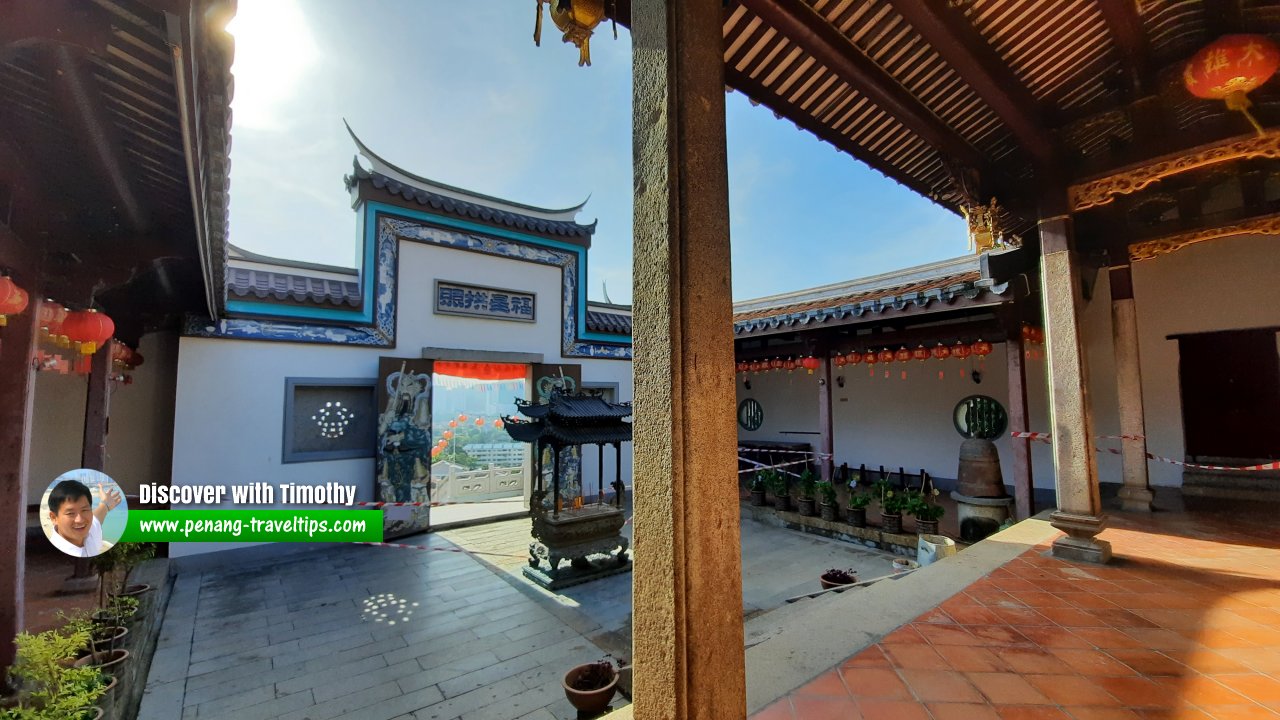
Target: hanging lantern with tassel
{"x": 841, "y": 361}
{"x": 1230, "y": 67}
{"x": 941, "y": 352}
{"x": 577, "y": 19}
{"x": 869, "y": 358}
{"x": 903, "y": 356}
{"x": 13, "y": 299}
{"x": 981, "y": 349}
{"x": 789, "y": 364}
{"x": 810, "y": 363}
{"x": 885, "y": 357}
{"x": 853, "y": 358}
{"x": 960, "y": 351}
{"x": 89, "y": 329}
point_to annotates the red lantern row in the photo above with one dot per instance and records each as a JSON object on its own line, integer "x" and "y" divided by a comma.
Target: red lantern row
{"x": 13, "y": 299}
{"x": 960, "y": 351}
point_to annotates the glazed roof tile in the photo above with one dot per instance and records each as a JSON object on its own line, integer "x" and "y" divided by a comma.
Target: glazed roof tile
{"x": 612, "y": 323}
{"x": 264, "y": 284}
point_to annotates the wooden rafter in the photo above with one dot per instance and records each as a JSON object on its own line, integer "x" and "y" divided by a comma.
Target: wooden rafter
{"x": 962, "y": 47}
{"x": 802, "y": 26}
{"x": 1130, "y": 38}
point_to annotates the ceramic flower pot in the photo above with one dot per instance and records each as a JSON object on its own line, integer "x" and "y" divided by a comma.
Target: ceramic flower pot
{"x": 588, "y": 702}
{"x": 858, "y": 517}
{"x": 891, "y": 523}
{"x": 807, "y": 506}
{"x": 828, "y": 512}
{"x": 927, "y": 527}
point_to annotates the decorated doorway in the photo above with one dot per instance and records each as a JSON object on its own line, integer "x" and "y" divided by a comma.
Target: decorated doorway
{"x": 477, "y": 471}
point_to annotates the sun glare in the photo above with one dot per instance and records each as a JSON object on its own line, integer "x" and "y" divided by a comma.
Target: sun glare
{"x": 274, "y": 48}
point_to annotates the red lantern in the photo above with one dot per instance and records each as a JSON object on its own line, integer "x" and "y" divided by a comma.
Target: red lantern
{"x": 453, "y": 423}
{"x": 775, "y": 364}
{"x": 870, "y": 357}
{"x": 51, "y": 316}
{"x": 462, "y": 417}
{"x": 1037, "y": 335}
{"x": 941, "y": 352}
{"x": 960, "y": 351}
{"x": 448, "y": 434}
{"x": 498, "y": 424}
{"x": 1231, "y": 66}
{"x": 13, "y": 299}
{"x": 89, "y": 328}
{"x": 743, "y": 366}
{"x": 479, "y": 422}
{"x": 982, "y": 348}
{"x": 853, "y": 358}
{"x": 840, "y": 361}
{"x": 1026, "y": 332}
{"x": 885, "y": 356}
{"x": 810, "y": 363}
{"x": 135, "y": 359}
{"x": 903, "y": 355}
{"x": 755, "y": 366}
{"x": 789, "y": 364}
{"x": 921, "y": 353}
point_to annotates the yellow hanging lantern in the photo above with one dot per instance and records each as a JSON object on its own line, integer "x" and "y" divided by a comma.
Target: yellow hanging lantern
{"x": 576, "y": 19}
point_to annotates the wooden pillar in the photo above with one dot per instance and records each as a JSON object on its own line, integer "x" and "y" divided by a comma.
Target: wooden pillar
{"x": 97, "y": 411}
{"x": 1136, "y": 493}
{"x": 687, "y": 640}
{"x": 600, "y": 471}
{"x": 617, "y": 464}
{"x": 1079, "y": 512}
{"x": 826, "y": 441}
{"x": 1023, "y": 480}
{"x": 17, "y": 395}
{"x": 555, "y": 480}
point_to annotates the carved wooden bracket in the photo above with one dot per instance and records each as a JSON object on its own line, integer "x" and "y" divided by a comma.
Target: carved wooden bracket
{"x": 1103, "y": 190}
{"x": 1148, "y": 249}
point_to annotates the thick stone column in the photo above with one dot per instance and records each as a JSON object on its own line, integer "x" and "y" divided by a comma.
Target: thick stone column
{"x": 826, "y": 437}
{"x": 1079, "y": 512}
{"x": 17, "y": 395}
{"x": 1136, "y": 492}
{"x": 1023, "y": 480}
{"x": 687, "y": 638}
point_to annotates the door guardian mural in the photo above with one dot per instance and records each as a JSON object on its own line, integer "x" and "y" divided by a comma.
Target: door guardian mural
{"x": 404, "y": 444}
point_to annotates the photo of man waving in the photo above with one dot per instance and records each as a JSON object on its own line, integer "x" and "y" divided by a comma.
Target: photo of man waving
{"x": 75, "y": 525}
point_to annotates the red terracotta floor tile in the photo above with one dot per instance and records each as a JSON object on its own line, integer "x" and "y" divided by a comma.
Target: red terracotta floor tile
{"x": 940, "y": 686}
{"x": 1053, "y": 636}
{"x": 1107, "y": 638}
{"x": 971, "y": 659}
{"x": 871, "y": 657}
{"x": 1240, "y": 712}
{"x": 780, "y": 710}
{"x": 1039, "y": 599}
{"x": 1072, "y": 690}
{"x": 1088, "y": 600}
{"x": 1031, "y": 712}
{"x": 1101, "y": 713}
{"x": 1137, "y": 692}
{"x": 1007, "y": 689}
{"x": 1091, "y": 662}
{"x": 1259, "y": 688}
{"x": 1160, "y": 638}
{"x": 915, "y": 657}
{"x": 1031, "y": 660}
{"x": 828, "y": 684}
{"x": 1203, "y": 690}
{"x": 1214, "y": 662}
{"x": 892, "y": 710}
{"x": 1149, "y": 662}
{"x": 1021, "y": 616}
{"x": 974, "y": 615}
{"x": 904, "y": 634}
{"x": 947, "y": 634}
{"x": 962, "y": 711}
{"x": 1073, "y": 617}
{"x": 999, "y": 636}
{"x": 875, "y": 683}
{"x": 815, "y": 708}
{"x": 935, "y": 615}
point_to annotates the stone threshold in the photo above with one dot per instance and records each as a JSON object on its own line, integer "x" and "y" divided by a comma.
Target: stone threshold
{"x": 873, "y": 537}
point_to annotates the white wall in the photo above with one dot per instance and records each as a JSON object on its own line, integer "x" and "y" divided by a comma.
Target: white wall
{"x": 1227, "y": 284}
{"x": 230, "y": 400}
{"x": 140, "y": 440}
{"x": 895, "y": 422}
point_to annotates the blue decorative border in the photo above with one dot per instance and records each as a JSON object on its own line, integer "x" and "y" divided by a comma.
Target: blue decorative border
{"x": 384, "y": 226}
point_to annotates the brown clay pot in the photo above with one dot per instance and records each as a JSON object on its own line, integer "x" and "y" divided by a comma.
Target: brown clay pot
{"x": 106, "y": 662}
{"x": 757, "y": 498}
{"x": 588, "y": 702}
{"x": 110, "y": 637}
{"x": 891, "y": 524}
{"x": 858, "y": 517}
{"x": 828, "y": 584}
{"x": 927, "y": 527}
{"x": 134, "y": 591}
{"x": 828, "y": 512}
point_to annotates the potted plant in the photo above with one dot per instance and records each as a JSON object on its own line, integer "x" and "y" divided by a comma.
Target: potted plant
{"x": 590, "y": 687}
{"x": 52, "y": 686}
{"x": 116, "y": 565}
{"x": 835, "y": 578}
{"x": 923, "y": 508}
{"x": 807, "y": 487}
{"x": 757, "y": 487}
{"x": 858, "y": 502}
{"x": 777, "y": 483}
{"x": 892, "y": 502}
{"x": 827, "y": 493}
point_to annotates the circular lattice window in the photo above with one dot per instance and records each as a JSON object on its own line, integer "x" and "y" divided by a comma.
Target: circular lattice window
{"x": 333, "y": 419}
{"x": 979, "y": 416}
{"x": 750, "y": 414}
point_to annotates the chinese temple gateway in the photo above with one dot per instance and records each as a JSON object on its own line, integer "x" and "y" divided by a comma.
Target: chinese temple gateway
{"x": 572, "y": 528}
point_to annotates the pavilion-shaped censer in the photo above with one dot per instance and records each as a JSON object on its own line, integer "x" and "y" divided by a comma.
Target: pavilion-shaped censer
{"x": 574, "y": 528}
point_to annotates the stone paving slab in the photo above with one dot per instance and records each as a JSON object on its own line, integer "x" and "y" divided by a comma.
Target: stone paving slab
{"x": 362, "y": 632}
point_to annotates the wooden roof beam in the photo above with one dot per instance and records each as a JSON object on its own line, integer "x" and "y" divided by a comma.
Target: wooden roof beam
{"x": 1121, "y": 17}
{"x": 962, "y": 47}
{"x": 80, "y": 101}
{"x": 24, "y": 23}
{"x": 803, "y": 27}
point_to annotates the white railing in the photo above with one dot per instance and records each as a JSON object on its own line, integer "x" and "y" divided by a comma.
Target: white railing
{"x": 484, "y": 484}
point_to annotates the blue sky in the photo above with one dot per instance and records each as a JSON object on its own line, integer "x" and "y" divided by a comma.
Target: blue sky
{"x": 457, "y": 92}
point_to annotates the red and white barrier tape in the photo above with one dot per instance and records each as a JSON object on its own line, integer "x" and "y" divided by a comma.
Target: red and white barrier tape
{"x": 761, "y": 466}
{"x": 785, "y": 452}
{"x": 1047, "y": 438}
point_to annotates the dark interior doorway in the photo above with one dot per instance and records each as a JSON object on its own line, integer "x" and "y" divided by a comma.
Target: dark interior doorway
{"x": 1230, "y": 385}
